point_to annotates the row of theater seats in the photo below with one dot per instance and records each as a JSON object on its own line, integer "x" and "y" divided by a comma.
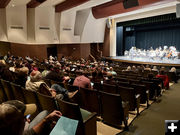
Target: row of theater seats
{"x": 132, "y": 92}
{"x": 111, "y": 102}
{"x": 87, "y": 120}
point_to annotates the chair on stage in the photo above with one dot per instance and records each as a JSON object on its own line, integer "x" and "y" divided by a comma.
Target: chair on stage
{"x": 87, "y": 120}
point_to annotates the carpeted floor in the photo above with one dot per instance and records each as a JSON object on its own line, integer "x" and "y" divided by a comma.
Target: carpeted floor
{"x": 151, "y": 120}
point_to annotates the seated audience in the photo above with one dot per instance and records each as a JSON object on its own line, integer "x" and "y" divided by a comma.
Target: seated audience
{"x": 56, "y": 90}
{"x": 155, "y": 68}
{"x": 173, "y": 69}
{"x": 164, "y": 78}
{"x": 147, "y": 68}
{"x": 112, "y": 71}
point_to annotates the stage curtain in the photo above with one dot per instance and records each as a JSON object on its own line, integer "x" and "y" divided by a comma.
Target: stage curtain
{"x": 158, "y": 37}
{"x": 119, "y": 41}
{"x": 161, "y": 18}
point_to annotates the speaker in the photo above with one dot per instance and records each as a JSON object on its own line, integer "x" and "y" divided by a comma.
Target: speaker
{"x": 130, "y": 3}
{"x": 40, "y": 1}
{"x": 178, "y": 10}
{"x": 109, "y": 22}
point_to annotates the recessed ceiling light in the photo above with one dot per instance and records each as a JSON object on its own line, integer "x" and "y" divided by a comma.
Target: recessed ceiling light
{"x": 13, "y": 5}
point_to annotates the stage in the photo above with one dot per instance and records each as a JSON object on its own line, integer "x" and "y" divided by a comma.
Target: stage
{"x": 138, "y": 60}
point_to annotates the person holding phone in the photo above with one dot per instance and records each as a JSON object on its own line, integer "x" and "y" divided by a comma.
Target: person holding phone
{"x": 13, "y": 115}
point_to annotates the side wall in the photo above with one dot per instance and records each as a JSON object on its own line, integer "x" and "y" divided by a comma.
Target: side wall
{"x": 4, "y": 48}
{"x": 39, "y": 51}
{"x": 76, "y": 51}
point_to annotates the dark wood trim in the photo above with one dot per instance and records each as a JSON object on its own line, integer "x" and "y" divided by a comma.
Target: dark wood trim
{"x": 4, "y": 3}
{"x": 68, "y": 4}
{"x": 35, "y": 3}
{"x": 116, "y": 7}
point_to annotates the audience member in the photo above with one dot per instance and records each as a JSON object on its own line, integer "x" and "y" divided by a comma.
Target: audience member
{"x": 164, "y": 78}
{"x": 82, "y": 81}
{"x": 13, "y": 120}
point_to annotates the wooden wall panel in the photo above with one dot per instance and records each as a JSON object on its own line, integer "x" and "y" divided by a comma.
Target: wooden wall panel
{"x": 75, "y": 51}
{"x": 39, "y": 51}
{"x": 4, "y": 48}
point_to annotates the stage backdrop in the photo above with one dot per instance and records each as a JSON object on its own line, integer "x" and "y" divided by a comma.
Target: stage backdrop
{"x": 149, "y": 32}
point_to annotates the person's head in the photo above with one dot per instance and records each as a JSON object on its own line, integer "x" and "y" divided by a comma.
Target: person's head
{"x": 128, "y": 68}
{"x": 133, "y": 67}
{"x": 110, "y": 69}
{"x": 173, "y": 69}
{"x": 154, "y": 67}
{"x": 12, "y": 116}
{"x": 35, "y": 76}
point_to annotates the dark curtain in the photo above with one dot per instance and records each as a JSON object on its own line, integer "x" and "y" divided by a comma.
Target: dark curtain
{"x": 159, "y": 37}
{"x": 119, "y": 41}
{"x": 149, "y": 32}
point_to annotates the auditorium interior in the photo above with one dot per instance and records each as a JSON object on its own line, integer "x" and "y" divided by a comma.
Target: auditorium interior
{"x": 118, "y": 62}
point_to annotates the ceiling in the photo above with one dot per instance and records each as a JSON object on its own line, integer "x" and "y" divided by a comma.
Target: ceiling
{"x": 100, "y": 8}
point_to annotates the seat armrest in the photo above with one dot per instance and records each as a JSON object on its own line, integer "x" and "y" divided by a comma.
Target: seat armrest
{"x": 125, "y": 106}
{"x": 147, "y": 94}
{"x": 137, "y": 96}
{"x": 138, "y": 102}
{"x": 90, "y": 124}
{"x": 91, "y": 116}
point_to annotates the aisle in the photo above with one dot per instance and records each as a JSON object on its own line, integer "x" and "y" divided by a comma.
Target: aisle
{"x": 151, "y": 121}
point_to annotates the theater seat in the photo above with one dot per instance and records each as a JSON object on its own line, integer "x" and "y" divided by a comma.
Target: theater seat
{"x": 114, "y": 112}
{"x": 87, "y": 120}
{"x": 8, "y": 90}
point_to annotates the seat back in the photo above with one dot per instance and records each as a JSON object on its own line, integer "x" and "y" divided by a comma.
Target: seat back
{"x": 72, "y": 88}
{"x": 31, "y": 97}
{"x": 3, "y": 96}
{"x": 90, "y": 100}
{"x": 128, "y": 94}
{"x": 8, "y": 90}
{"x": 112, "y": 111}
{"x": 149, "y": 86}
{"x": 43, "y": 89}
{"x": 18, "y": 93}
{"x": 47, "y": 102}
{"x": 97, "y": 86}
{"x": 109, "y": 88}
{"x": 124, "y": 84}
{"x": 140, "y": 89}
{"x": 72, "y": 111}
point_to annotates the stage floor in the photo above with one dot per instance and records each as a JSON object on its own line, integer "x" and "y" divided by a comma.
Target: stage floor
{"x": 136, "y": 60}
